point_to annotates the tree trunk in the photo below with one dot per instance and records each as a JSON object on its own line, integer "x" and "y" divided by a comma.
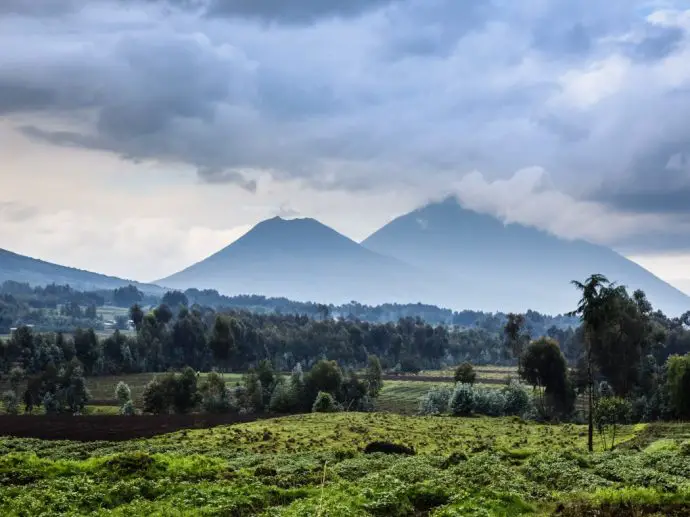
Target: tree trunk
{"x": 590, "y": 423}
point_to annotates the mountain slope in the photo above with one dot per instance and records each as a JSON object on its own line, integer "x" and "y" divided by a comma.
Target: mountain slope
{"x": 36, "y": 272}
{"x": 305, "y": 260}
{"x": 509, "y": 267}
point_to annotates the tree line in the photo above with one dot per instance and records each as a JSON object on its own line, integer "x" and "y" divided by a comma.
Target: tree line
{"x": 44, "y": 307}
{"x": 633, "y": 366}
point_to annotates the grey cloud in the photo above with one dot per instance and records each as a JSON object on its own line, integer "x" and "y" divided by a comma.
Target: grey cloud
{"x": 292, "y": 11}
{"x": 411, "y": 92}
{"x": 40, "y": 7}
{"x": 658, "y": 43}
{"x": 210, "y": 175}
{"x": 15, "y": 212}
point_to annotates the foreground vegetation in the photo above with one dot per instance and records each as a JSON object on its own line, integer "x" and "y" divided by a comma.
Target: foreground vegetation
{"x": 322, "y": 465}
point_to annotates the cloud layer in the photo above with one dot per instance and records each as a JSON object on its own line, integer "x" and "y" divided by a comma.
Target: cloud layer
{"x": 378, "y": 95}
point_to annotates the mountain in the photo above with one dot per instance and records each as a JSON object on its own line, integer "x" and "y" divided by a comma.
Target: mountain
{"x": 39, "y": 273}
{"x": 497, "y": 266}
{"x": 304, "y": 260}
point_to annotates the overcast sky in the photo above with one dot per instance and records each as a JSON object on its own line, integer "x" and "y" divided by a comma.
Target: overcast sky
{"x": 138, "y": 136}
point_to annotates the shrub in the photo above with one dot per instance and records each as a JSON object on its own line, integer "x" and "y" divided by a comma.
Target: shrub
{"x": 283, "y": 399}
{"x": 51, "y": 405}
{"x": 435, "y": 402}
{"x": 490, "y": 402}
{"x": 122, "y": 393}
{"x": 608, "y": 414}
{"x": 11, "y": 402}
{"x": 215, "y": 397}
{"x": 128, "y": 409}
{"x": 465, "y": 374}
{"x": 373, "y": 376}
{"x": 157, "y": 396}
{"x": 16, "y": 376}
{"x": 685, "y": 448}
{"x": 462, "y": 401}
{"x": 518, "y": 400}
{"x": 324, "y": 403}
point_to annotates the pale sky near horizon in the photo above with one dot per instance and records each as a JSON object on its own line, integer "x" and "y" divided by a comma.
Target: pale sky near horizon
{"x": 140, "y": 136}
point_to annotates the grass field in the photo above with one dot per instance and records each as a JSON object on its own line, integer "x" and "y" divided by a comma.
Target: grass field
{"x": 314, "y": 465}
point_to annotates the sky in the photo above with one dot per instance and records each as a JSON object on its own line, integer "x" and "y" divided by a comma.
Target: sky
{"x": 139, "y": 136}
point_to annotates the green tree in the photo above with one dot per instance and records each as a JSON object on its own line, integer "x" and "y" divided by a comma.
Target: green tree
{"x": 465, "y": 374}
{"x": 175, "y": 300}
{"x": 283, "y": 399}
{"x": 374, "y": 376}
{"x": 324, "y": 376}
{"x": 324, "y": 403}
{"x": 545, "y": 368}
{"x": 593, "y": 310}
{"x": 158, "y": 394}
{"x": 127, "y": 296}
{"x": 678, "y": 385}
{"x": 609, "y": 413}
{"x": 122, "y": 393}
{"x": 186, "y": 395}
{"x": 73, "y": 394}
{"x": 215, "y": 397}
{"x": 514, "y": 334}
{"x": 222, "y": 341}
{"x": 136, "y": 314}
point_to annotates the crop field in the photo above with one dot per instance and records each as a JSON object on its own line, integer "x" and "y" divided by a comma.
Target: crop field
{"x": 400, "y": 394}
{"x": 319, "y": 465}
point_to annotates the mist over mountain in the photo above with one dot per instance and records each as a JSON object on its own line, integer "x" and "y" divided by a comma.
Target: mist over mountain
{"x": 440, "y": 254}
{"x": 37, "y": 272}
{"x": 304, "y": 260}
{"x": 497, "y": 266}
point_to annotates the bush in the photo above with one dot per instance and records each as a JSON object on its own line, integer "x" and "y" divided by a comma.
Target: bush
{"x": 11, "y": 402}
{"x": 490, "y": 402}
{"x": 170, "y": 391}
{"x": 435, "y": 402}
{"x": 465, "y": 374}
{"x": 518, "y": 400}
{"x": 324, "y": 403}
{"x": 215, "y": 397}
{"x": 283, "y": 399}
{"x": 122, "y": 393}
{"x": 157, "y": 396}
{"x": 128, "y": 409}
{"x": 462, "y": 401}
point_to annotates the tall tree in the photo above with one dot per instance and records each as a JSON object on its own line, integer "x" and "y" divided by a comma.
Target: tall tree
{"x": 544, "y": 367}
{"x": 515, "y": 337}
{"x": 593, "y": 310}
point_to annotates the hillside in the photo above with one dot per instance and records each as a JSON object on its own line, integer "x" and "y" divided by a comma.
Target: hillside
{"x": 304, "y": 260}
{"x": 36, "y": 272}
{"x": 497, "y": 266}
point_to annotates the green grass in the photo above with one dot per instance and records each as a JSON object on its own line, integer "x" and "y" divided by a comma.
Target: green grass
{"x": 313, "y": 465}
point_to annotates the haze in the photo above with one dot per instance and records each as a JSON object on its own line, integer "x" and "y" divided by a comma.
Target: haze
{"x": 138, "y": 137}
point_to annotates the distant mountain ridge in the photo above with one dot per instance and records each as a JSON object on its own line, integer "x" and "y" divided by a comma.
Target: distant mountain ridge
{"x": 499, "y": 266}
{"x": 37, "y": 272}
{"x": 440, "y": 254}
{"x": 304, "y": 260}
